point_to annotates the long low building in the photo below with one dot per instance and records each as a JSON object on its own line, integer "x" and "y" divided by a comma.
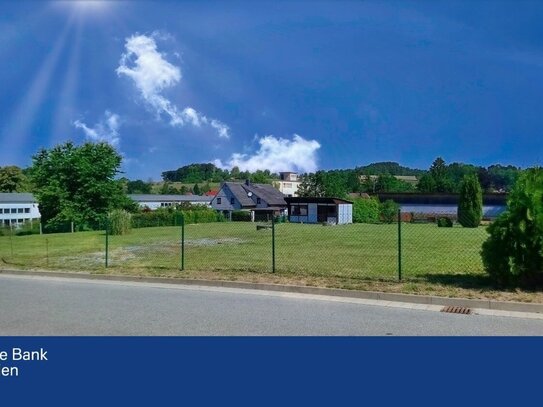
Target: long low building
{"x": 443, "y": 204}
{"x": 18, "y": 208}
{"x": 153, "y": 201}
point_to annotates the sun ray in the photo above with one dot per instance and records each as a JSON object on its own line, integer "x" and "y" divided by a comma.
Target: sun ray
{"x": 65, "y": 106}
{"x": 18, "y": 128}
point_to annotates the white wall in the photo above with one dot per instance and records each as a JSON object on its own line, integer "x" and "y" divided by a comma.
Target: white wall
{"x": 345, "y": 214}
{"x": 29, "y": 211}
{"x": 288, "y": 188}
{"x": 155, "y": 205}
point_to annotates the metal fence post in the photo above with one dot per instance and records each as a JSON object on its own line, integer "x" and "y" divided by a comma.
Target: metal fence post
{"x": 273, "y": 243}
{"x": 11, "y": 241}
{"x": 107, "y": 242}
{"x": 182, "y": 242}
{"x": 399, "y": 245}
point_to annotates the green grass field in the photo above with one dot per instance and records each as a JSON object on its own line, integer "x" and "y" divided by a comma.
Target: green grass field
{"x": 359, "y": 251}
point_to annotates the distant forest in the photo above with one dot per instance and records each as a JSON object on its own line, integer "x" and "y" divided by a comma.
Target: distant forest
{"x": 372, "y": 178}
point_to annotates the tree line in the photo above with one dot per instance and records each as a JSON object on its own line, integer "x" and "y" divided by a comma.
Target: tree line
{"x": 439, "y": 178}
{"x": 372, "y": 178}
{"x": 201, "y": 173}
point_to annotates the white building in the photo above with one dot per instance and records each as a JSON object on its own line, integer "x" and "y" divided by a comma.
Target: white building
{"x": 153, "y": 202}
{"x": 18, "y": 208}
{"x": 289, "y": 183}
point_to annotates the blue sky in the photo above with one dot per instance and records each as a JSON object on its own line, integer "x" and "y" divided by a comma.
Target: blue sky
{"x": 278, "y": 85}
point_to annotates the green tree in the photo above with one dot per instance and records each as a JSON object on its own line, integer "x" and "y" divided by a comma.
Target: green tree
{"x": 138, "y": 187}
{"x": 77, "y": 184}
{"x": 311, "y": 185}
{"x": 12, "y": 179}
{"x": 470, "y": 202}
{"x": 513, "y": 252}
{"x": 389, "y": 211}
{"x": 427, "y": 184}
{"x": 438, "y": 171}
{"x": 260, "y": 177}
{"x": 196, "y": 189}
{"x": 366, "y": 210}
{"x": 234, "y": 173}
{"x": 168, "y": 189}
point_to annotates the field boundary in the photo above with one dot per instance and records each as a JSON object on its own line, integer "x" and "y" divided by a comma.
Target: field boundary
{"x": 337, "y": 292}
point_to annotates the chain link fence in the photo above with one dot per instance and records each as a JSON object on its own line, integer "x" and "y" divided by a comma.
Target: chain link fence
{"x": 400, "y": 250}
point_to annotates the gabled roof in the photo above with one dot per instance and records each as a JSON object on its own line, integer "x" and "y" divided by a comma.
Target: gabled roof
{"x": 17, "y": 197}
{"x": 268, "y": 193}
{"x": 241, "y": 194}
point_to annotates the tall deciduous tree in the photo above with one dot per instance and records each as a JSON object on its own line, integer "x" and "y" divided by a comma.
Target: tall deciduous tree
{"x": 77, "y": 183}
{"x": 470, "y": 202}
{"x": 12, "y": 179}
{"x": 438, "y": 171}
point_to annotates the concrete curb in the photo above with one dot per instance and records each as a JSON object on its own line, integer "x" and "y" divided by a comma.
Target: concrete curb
{"x": 337, "y": 292}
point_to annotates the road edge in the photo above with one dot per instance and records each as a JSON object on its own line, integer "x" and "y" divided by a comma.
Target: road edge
{"x": 334, "y": 292}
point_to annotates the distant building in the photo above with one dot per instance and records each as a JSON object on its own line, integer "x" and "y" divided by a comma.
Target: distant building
{"x": 434, "y": 205}
{"x": 18, "y": 208}
{"x": 262, "y": 200}
{"x": 319, "y": 210}
{"x": 288, "y": 183}
{"x": 164, "y": 201}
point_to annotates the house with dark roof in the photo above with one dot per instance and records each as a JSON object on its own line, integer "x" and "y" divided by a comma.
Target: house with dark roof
{"x": 333, "y": 211}
{"x": 262, "y": 200}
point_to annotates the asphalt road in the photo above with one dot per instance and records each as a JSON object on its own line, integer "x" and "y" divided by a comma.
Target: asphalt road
{"x": 59, "y": 306}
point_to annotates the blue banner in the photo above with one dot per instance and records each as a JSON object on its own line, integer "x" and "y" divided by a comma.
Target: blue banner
{"x": 268, "y": 371}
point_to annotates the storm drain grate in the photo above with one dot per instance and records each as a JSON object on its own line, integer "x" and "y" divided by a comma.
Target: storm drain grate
{"x": 456, "y": 310}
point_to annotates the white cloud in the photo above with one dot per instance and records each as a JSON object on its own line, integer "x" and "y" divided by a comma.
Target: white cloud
{"x": 277, "y": 154}
{"x": 152, "y": 74}
{"x": 106, "y": 130}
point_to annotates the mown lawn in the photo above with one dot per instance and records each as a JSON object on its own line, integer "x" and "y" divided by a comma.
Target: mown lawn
{"x": 359, "y": 251}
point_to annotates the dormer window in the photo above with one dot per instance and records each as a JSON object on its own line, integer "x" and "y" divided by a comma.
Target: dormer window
{"x": 258, "y": 201}
{"x": 232, "y": 201}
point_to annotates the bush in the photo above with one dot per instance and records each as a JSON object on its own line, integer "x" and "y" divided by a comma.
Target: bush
{"x": 174, "y": 216}
{"x": 444, "y": 222}
{"x": 388, "y": 211}
{"x": 366, "y": 210}
{"x": 470, "y": 203}
{"x": 513, "y": 253}
{"x": 241, "y": 216}
{"x": 120, "y": 222}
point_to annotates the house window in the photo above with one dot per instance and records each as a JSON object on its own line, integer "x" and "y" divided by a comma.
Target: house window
{"x": 299, "y": 210}
{"x": 258, "y": 201}
{"x": 1, "y": 210}
{"x": 27, "y": 210}
{"x": 219, "y": 201}
{"x": 13, "y": 210}
{"x": 20, "y": 210}
{"x": 232, "y": 201}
